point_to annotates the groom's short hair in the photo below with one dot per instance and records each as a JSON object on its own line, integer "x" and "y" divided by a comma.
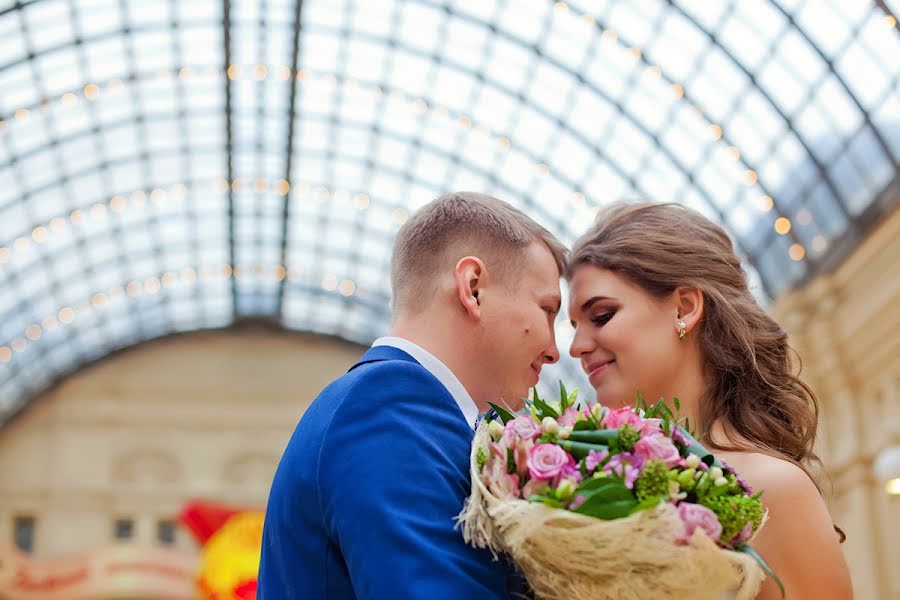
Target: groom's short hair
{"x": 456, "y": 225}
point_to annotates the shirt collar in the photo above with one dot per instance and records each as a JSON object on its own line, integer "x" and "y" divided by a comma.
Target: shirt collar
{"x": 440, "y": 371}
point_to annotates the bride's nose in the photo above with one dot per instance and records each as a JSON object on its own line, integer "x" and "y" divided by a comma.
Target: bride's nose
{"x": 582, "y": 343}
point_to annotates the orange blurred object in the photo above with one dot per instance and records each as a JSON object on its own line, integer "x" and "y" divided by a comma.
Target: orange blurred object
{"x": 231, "y": 539}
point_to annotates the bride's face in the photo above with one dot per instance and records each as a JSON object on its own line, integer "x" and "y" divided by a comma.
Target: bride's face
{"x": 625, "y": 338}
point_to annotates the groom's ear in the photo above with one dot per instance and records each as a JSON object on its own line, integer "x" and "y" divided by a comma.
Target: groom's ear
{"x": 470, "y": 278}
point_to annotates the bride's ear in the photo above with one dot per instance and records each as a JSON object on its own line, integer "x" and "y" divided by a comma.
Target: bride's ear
{"x": 689, "y": 306}
{"x": 470, "y": 277}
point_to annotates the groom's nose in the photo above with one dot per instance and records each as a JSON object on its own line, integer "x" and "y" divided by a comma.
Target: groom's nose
{"x": 551, "y": 354}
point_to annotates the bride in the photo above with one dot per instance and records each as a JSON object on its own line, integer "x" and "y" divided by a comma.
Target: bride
{"x": 660, "y": 305}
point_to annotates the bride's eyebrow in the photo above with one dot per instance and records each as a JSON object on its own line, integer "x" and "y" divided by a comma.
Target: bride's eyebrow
{"x": 587, "y": 305}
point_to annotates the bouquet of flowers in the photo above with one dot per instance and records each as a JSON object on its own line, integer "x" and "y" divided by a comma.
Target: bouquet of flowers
{"x": 599, "y": 503}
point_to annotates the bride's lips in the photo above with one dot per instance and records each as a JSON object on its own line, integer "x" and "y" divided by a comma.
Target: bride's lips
{"x": 595, "y": 369}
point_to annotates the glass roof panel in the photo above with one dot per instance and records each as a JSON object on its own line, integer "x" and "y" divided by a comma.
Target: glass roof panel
{"x": 180, "y": 166}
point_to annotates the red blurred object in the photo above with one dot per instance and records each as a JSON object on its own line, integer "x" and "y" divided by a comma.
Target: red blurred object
{"x": 204, "y": 518}
{"x": 246, "y": 590}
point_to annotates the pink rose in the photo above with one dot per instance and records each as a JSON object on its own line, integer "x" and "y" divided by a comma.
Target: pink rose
{"x": 622, "y": 416}
{"x": 546, "y": 461}
{"x": 695, "y": 516}
{"x": 522, "y": 426}
{"x": 657, "y": 445}
{"x": 568, "y": 418}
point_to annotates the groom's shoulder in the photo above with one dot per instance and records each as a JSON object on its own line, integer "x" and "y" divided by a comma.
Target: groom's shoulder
{"x": 386, "y": 378}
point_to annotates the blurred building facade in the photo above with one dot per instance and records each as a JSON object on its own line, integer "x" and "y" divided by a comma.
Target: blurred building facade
{"x": 846, "y": 328}
{"x": 110, "y": 456}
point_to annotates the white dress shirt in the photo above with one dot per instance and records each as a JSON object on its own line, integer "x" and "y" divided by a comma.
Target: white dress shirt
{"x": 441, "y": 372}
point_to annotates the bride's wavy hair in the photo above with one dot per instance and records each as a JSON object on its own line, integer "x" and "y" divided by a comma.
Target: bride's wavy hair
{"x": 747, "y": 358}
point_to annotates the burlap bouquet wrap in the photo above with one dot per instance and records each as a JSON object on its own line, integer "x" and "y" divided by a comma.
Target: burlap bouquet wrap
{"x": 566, "y": 555}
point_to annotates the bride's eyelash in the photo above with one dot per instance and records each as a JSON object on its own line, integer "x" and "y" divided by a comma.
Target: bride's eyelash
{"x": 603, "y": 318}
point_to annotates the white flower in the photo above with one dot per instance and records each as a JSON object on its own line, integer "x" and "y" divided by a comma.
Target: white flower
{"x": 692, "y": 461}
{"x": 550, "y": 425}
{"x": 565, "y": 488}
{"x": 715, "y": 473}
{"x": 564, "y": 432}
{"x": 720, "y": 481}
{"x": 495, "y": 428}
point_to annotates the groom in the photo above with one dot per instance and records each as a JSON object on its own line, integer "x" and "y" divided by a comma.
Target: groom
{"x": 364, "y": 499}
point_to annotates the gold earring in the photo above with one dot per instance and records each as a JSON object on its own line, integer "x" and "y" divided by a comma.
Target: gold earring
{"x": 682, "y": 329}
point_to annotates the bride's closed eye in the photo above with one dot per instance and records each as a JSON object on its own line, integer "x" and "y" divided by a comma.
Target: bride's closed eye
{"x": 603, "y": 318}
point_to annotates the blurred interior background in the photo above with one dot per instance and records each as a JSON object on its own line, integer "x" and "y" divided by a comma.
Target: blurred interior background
{"x": 198, "y": 199}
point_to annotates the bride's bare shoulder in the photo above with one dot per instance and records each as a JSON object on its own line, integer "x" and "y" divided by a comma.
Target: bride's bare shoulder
{"x": 765, "y": 472}
{"x": 798, "y": 541}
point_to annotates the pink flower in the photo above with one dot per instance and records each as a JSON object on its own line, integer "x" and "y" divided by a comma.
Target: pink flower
{"x": 498, "y": 449}
{"x": 568, "y": 418}
{"x": 657, "y": 445}
{"x": 625, "y": 465}
{"x": 520, "y": 455}
{"x": 652, "y": 425}
{"x": 534, "y": 486}
{"x": 522, "y": 426}
{"x": 696, "y": 516}
{"x": 546, "y": 461}
{"x": 578, "y": 501}
{"x": 622, "y": 416}
{"x": 743, "y": 535}
{"x": 594, "y": 458}
{"x": 499, "y": 482}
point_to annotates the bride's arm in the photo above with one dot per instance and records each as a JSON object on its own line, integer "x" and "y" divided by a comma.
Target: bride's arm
{"x": 798, "y": 541}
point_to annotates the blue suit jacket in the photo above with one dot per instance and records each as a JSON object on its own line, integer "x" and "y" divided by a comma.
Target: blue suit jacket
{"x": 364, "y": 499}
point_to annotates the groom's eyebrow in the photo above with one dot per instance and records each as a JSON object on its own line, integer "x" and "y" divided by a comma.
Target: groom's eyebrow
{"x": 554, "y": 301}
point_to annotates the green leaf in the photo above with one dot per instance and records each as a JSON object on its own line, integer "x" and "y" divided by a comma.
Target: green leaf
{"x": 545, "y": 410}
{"x": 563, "y": 397}
{"x": 647, "y": 503}
{"x": 677, "y": 403}
{"x": 746, "y": 549}
{"x": 551, "y": 502}
{"x": 504, "y": 415}
{"x": 579, "y": 449}
{"x": 607, "y": 499}
{"x": 591, "y": 486}
{"x": 641, "y": 403}
{"x": 594, "y": 436}
{"x": 583, "y": 426}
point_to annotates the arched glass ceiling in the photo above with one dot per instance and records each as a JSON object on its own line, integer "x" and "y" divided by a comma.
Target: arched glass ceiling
{"x": 170, "y": 166}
